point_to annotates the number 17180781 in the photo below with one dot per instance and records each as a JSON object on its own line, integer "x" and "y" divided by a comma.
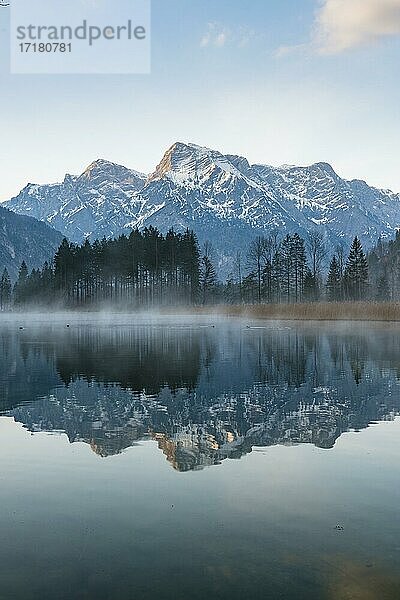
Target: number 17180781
{"x": 45, "y": 47}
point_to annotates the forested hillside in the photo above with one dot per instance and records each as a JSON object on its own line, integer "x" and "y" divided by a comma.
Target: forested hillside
{"x": 25, "y": 238}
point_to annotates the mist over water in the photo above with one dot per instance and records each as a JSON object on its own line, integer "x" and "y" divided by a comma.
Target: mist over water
{"x": 200, "y": 456}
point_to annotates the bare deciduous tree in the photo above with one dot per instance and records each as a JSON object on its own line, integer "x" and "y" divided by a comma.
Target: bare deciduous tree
{"x": 318, "y": 253}
{"x": 256, "y": 259}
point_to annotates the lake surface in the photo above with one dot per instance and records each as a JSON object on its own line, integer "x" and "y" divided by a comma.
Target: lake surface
{"x": 167, "y": 458}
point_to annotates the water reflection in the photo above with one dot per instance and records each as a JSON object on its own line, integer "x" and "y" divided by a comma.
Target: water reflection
{"x": 204, "y": 393}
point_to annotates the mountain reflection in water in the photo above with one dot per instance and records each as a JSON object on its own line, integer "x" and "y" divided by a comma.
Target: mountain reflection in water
{"x": 204, "y": 393}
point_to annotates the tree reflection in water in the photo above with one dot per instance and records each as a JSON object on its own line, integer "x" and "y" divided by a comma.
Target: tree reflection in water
{"x": 203, "y": 393}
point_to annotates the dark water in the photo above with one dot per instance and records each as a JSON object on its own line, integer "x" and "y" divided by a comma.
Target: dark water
{"x": 169, "y": 459}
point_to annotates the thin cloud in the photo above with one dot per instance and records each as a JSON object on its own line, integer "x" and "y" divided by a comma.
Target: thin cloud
{"x": 344, "y": 24}
{"x": 218, "y": 36}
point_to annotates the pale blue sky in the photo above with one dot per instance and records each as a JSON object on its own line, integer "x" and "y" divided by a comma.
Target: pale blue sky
{"x": 279, "y": 81}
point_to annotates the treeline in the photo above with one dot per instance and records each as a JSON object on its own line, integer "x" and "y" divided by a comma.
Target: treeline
{"x": 151, "y": 269}
{"x": 384, "y": 263}
{"x": 146, "y": 268}
{"x": 291, "y": 270}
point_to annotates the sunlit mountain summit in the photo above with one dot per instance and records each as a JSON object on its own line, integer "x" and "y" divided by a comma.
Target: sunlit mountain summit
{"x": 219, "y": 196}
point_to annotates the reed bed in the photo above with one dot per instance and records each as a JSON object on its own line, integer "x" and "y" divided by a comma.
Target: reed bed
{"x": 312, "y": 311}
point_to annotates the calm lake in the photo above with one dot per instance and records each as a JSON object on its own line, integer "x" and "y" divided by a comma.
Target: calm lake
{"x": 193, "y": 458}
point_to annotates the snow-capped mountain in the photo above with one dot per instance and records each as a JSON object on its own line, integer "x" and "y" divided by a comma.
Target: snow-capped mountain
{"x": 222, "y": 197}
{"x": 98, "y": 202}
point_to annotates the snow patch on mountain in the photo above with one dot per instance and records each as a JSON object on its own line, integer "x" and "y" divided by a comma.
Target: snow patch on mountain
{"x": 222, "y": 197}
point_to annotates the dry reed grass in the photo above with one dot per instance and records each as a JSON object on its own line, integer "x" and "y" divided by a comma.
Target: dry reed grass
{"x": 313, "y": 311}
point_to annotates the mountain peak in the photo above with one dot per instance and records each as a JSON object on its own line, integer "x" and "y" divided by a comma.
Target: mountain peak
{"x": 176, "y": 159}
{"x": 325, "y": 168}
{"x": 189, "y": 147}
{"x": 186, "y": 163}
{"x": 106, "y": 169}
{"x": 101, "y": 165}
{"x": 221, "y": 196}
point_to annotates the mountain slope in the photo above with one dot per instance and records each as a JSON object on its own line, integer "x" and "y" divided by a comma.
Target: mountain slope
{"x": 222, "y": 197}
{"x": 98, "y": 202}
{"x": 25, "y": 238}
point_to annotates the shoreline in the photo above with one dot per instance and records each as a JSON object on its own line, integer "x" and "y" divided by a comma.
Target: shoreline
{"x": 367, "y": 312}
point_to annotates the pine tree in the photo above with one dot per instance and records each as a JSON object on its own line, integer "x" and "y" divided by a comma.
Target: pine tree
{"x": 5, "y": 291}
{"x": 311, "y": 287}
{"x": 334, "y": 281}
{"x": 208, "y": 278}
{"x": 250, "y": 288}
{"x": 286, "y": 267}
{"x": 384, "y": 269}
{"x": 239, "y": 275}
{"x": 193, "y": 265}
{"x": 20, "y": 288}
{"x": 356, "y": 272}
{"x": 383, "y": 291}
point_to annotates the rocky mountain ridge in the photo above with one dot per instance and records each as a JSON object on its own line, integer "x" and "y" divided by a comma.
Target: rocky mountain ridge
{"x": 223, "y": 198}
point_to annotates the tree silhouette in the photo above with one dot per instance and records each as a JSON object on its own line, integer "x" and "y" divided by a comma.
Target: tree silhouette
{"x": 145, "y": 268}
{"x": 334, "y": 282}
{"x": 5, "y": 291}
{"x": 356, "y": 272}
